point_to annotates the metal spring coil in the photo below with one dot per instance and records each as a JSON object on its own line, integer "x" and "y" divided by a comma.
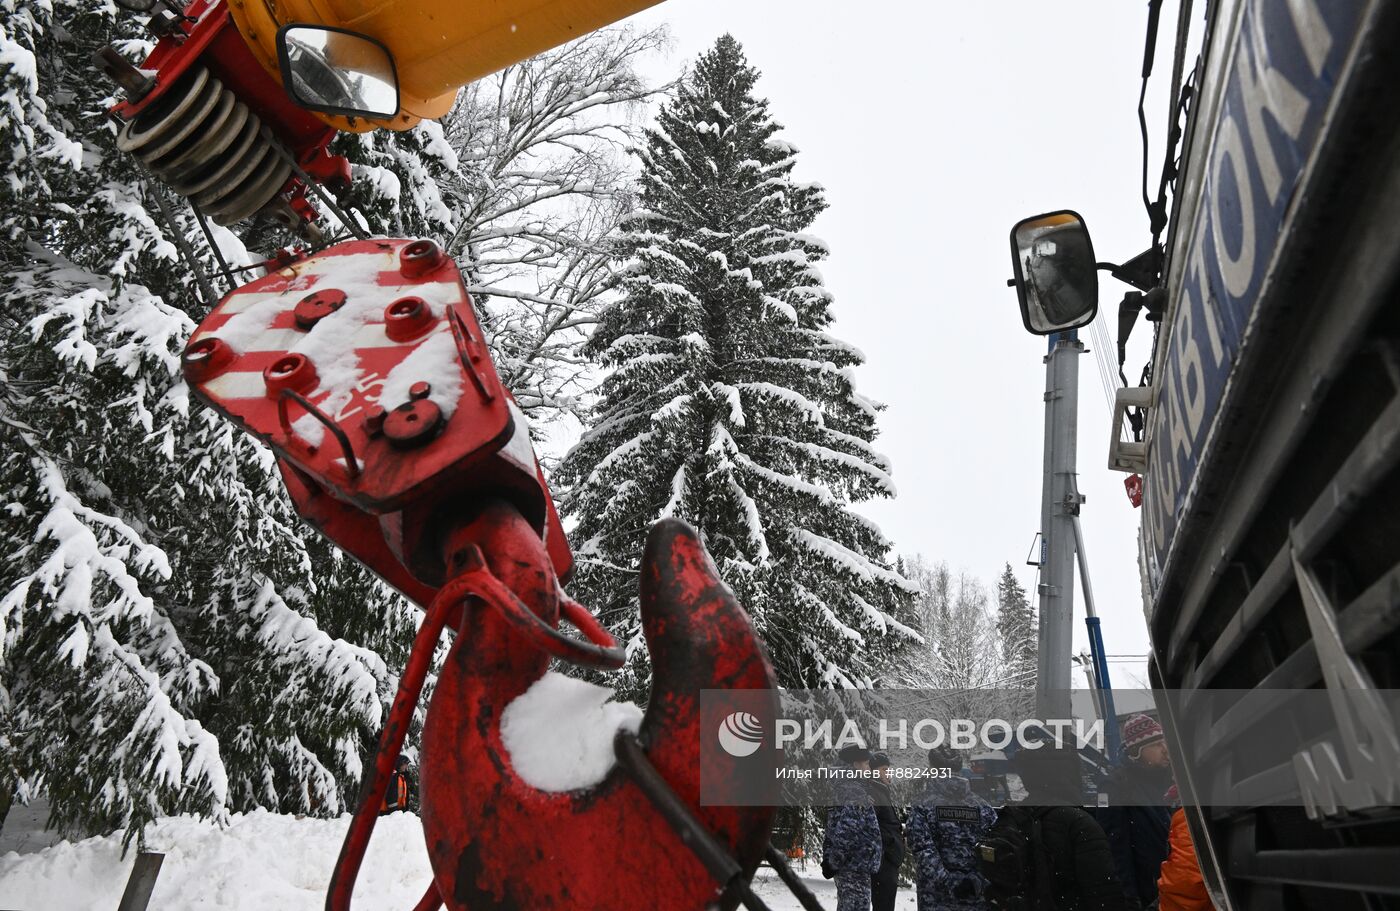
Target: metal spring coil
{"x": 207, "y": 146}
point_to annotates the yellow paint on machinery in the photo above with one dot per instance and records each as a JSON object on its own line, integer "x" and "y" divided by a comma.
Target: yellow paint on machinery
{"x": 438, "y": 45}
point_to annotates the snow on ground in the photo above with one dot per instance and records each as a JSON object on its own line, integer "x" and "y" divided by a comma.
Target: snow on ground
{"x": 263, "y": 861}
{"x": 776, "y": 896}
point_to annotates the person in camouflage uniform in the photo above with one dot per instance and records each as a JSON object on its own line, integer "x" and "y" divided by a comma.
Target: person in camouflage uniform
{"x": 851, "y": 848}
{"x": 946, "y": 822}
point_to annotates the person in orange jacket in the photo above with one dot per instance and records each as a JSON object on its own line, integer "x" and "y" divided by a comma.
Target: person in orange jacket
{"x": 396, "y": 796}
{"x": 1180, "y": 886}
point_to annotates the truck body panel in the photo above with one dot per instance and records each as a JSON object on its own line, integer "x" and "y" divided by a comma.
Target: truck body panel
{"x": 1270, "y": 541}
{"x": 1285, "y": 70}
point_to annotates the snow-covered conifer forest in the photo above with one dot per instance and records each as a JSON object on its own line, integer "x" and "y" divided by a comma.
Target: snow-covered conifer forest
{"x": 173, "y": 639}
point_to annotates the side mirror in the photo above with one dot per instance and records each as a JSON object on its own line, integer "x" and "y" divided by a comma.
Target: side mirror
{"x": 337, "y": 71}
{"x": 1057, "y": 279}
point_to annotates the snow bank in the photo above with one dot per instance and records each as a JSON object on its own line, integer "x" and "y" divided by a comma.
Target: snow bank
{"x": 560, "y": 732}
{"x": 260, "y": 861}
{"x": 265, "y": 862}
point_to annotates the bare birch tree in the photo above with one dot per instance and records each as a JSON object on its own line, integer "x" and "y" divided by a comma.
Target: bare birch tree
{"x": 523, "y": 181}
{"x": 542, "y": 180}
{"x": 960, "y": 661}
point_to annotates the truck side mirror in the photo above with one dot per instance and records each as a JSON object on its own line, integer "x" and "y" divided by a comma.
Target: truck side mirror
{"x": 1057, "y": 279}
{"x": 337, "y": 71}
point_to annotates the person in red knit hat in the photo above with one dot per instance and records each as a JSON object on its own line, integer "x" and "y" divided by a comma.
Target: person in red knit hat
{"x": 1137, "y": 821}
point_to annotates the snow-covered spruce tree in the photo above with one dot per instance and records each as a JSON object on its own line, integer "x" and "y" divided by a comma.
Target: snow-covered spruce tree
{"x": 727, "y": 402}
{"x": 1016, "y": 627}
{"x": 171, "y": 638}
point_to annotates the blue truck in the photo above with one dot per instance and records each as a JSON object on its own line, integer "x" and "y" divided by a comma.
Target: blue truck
{"x": 1265, "y": 440}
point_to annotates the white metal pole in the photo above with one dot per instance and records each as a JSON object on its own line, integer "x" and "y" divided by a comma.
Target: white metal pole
{"x": 1059, "y": 505}
{"x": 1089, "y": 610}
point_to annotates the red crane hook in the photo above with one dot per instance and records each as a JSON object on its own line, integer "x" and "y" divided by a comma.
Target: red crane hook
{"x": 410, "y": 455}
{"x": 497, "y": 842}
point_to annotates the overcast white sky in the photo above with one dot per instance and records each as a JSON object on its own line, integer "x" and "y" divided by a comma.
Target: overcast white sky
{"x": 934, "y": 128}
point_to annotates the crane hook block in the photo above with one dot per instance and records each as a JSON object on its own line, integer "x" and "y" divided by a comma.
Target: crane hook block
{"x": 380, "y": 412}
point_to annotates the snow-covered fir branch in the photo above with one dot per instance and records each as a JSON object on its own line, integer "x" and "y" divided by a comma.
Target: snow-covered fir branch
{"x": 172, "y": 639}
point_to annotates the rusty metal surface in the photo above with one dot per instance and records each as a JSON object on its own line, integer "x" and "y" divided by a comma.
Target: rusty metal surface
{"x": 497, "y": 843}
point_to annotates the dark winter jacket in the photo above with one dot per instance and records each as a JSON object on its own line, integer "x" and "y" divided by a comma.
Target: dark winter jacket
{"x": 1138, "y": 825}
{"x": 891, "y": 827}
{"x": 1081, "y": 866}
{"x": 852, "y": 841}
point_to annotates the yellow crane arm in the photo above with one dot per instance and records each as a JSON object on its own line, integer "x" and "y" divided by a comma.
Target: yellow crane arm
{"x": 438, "y": 45}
